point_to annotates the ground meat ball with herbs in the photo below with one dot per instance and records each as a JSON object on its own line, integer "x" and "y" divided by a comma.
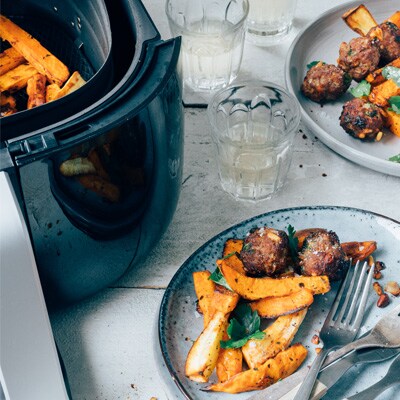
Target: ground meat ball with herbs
{"x": 322, "y": 254}
{"x": 361, "y": 119}
{"x": 265, "y": 252}
{"x": 324, "y": 82}
{"x": 389, "y": 45}
{"x": 359, "y": 57}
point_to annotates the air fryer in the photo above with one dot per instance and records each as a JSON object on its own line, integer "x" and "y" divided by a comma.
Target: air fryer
{"x": 84, "y": 240}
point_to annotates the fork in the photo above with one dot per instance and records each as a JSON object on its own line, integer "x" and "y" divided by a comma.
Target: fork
{"x": 340, "y": 326}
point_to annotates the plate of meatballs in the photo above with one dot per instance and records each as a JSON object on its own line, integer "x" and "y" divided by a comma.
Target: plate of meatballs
{"x": 328, "y": 63}
{"x": 266, "y": 253}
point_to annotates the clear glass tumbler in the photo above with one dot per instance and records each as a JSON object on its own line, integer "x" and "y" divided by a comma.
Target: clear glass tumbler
{"x": 253, "y": 126}
{"x": 212, "y": 39}
{"x": 269, "y": 21}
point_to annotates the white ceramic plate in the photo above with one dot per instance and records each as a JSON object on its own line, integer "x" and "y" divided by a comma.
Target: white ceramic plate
{"x": 320, "y": 41}
{"x": 179, "y": 323}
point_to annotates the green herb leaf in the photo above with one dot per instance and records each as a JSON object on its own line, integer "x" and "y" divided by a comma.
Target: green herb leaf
{"x": 293, "y": 242}
{"x": 243, "y": 326}
{"x": 395, "y": 158}
{"x": 394, "y": 102}
{"x": 392, "y": 73}
{"x": 217, "y": 277}
{"x": 312, "y": 64}
{"x": 362, "y": 89}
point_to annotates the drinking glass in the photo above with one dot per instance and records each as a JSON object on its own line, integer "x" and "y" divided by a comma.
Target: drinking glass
{"x": 269, "y": 21}
{"x": 212, "y": 39}
{"x": 253, "y": 126}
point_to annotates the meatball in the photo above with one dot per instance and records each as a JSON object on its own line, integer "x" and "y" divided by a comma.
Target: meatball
{"x": 362, "y": 119}
{"x": 389, "y": 42}
{"x": 359, "y": 57}
{"x": 324, "y": 82}
{"x": 322, "y": 254}
{"x": 265, "y": 252}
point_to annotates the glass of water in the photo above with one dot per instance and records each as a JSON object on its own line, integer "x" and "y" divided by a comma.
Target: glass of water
{"x": 253, "y": 127}
{"x": 269, "y": 21}
{"x": 212, "y": 39}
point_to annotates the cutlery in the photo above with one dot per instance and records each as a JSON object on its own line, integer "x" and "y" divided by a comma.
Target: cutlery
{"x": 331, "y": 374}
{"x": 342, "y": 324}
{"x": 391, "y": 378}
{"x": 385, "y": 334}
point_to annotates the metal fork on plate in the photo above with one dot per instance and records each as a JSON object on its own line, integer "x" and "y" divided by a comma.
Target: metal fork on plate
{"x": 342, "y": 323}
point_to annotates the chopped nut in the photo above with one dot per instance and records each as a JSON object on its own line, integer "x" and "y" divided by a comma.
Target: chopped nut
{"x": 383, "y": 300}
{"x": 377, "y": 275}
{"x": 315, "y": 339}
{"x": 380, "y": 265}
{"x": 393, "y": 288}
{"x": 378, "y": 288}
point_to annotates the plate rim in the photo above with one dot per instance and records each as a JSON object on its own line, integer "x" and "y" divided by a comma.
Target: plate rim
{"x": 354, "y": 155}
{"x": 183, "y": 266}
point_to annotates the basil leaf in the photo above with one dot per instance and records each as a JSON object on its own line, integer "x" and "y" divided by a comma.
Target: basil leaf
{"x": 394, "y": 102}
{"x": 217, "y": 277}
{"x": 243, "y": 326}
{"x": 362, "y": 89}
{"x": 395, "y": 158}
{"x": 313, "y": 64}
{"x": 293, "y": 242}
{"x": 392, "y": 73}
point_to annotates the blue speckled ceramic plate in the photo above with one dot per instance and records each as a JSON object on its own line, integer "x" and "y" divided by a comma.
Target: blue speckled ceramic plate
{"x": 179, "y": 323}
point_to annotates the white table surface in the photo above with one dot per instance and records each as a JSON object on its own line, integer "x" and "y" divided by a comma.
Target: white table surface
{"x": 109, "y": 342}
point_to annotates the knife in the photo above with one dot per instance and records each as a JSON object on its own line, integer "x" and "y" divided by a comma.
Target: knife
{"x": 287, "y": 388}
{"x": 330, "y": 375}
{"x": 391, "y": 378}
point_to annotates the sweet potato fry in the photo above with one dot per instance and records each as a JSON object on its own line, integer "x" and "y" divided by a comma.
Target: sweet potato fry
{"x": 100, "y": 186}
{"x": 203, "y": 355}
{"x": 381, "y": 93}
{"x": 8, "y": 105}
{"x": 258, "y": 288}
{"x": 39, "y": 57}
{"x": 212, "y": 297}
{"x": 224, "y": 300}
{"x": 359, "y": 19}
{"x": 77, "y": 166}
{"x": 17, "y": 78}
{"x": 9, "y": 59}
{"x": 74, "y": 82}
{"x": 278, "y": 337}
{"x": 204, "y": 288}
{"x": 280, "y": 367}
{"x": 52, "y": 91}
{"x": 393, "y": 122}
{"x": 36, "y": 90}
{"x": 273, "y": 307}
{"x": 231, "y": 250}
{"x": 232, "y": 246}
{"x": 358, "y": 251}
{"x": 229, "y": 362}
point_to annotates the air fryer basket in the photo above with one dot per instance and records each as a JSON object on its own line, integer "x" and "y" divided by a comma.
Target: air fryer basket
{"x": 79, "y": 34}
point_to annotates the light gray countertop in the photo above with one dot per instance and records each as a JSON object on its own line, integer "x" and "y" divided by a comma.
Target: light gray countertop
{"x": 109, "y": 342}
